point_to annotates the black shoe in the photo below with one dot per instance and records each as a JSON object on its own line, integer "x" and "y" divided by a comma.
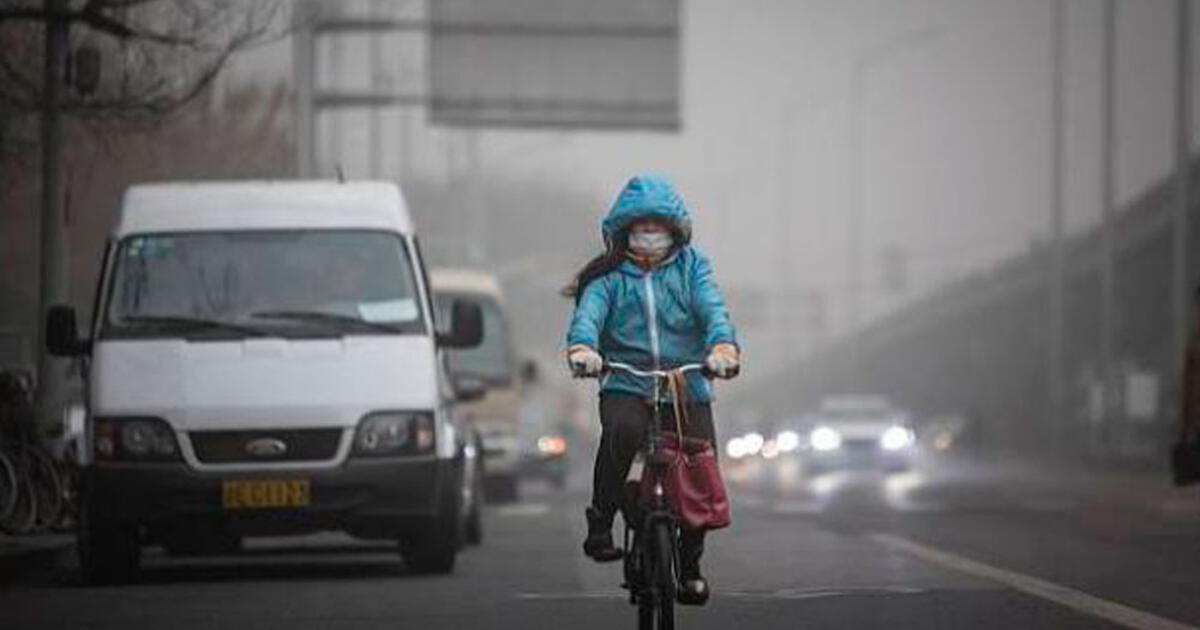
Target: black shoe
{"x": 693, "y": 591}
{"x": 693, "y": 588}
{"x": 599, "y": 543}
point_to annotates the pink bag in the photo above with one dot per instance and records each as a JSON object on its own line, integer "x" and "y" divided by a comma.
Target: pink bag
{"x": 693, "y": 484}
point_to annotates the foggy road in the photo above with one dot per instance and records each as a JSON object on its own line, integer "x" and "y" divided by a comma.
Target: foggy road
{"x": 948, "y": 546}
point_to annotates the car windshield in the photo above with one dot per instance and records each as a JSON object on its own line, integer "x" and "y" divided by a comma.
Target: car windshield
{"x": 491, "y": 360}
{"x": 263, "y": 282}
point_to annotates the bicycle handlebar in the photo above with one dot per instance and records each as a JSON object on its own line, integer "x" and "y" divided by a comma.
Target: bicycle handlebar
{"x": 629, "y": 369}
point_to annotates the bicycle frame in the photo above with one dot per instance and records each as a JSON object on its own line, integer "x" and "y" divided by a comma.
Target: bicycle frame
{"x": 642, "y": 547}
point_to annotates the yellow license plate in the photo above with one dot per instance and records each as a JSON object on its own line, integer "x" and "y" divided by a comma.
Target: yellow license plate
{"x": 288, "y": 493}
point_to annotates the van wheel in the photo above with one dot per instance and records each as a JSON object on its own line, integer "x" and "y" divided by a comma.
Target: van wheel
{"x": 431, "y": 546}
{"x": 110, "y": 552}
{"x": 474, "y": 533}
{"x": 431, "y": 549}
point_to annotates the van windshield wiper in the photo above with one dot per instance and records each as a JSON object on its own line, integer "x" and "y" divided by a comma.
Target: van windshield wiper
{"x": 327, "y": 317}
{"x": 195, "y": 323}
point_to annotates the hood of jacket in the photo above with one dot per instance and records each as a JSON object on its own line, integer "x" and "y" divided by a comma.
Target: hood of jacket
{"x": 645, "y": 197}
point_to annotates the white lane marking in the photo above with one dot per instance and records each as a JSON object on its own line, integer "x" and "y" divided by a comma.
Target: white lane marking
{"x": 787, "y": 593}
{"x": 523, "y": 509}
{"x": 578, "y": 595}
{"x": 819, "y": 592}
{"x": 1071, "y": 598}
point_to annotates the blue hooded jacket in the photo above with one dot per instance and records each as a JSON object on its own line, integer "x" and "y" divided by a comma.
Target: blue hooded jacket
{"x": 668, "y": 316}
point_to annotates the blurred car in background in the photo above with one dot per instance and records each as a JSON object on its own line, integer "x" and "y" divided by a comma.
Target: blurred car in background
{"x": 546, "y": 432}
{"x": 859, "y": 432}
{"x": 545, "y": 458}
{"x": 493, "y": 365}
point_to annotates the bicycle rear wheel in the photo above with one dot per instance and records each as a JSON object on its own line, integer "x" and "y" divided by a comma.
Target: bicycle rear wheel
{"x": 665, "y": 580}
{"x": 23, "y": 517}
{"x": 8, "y": 486}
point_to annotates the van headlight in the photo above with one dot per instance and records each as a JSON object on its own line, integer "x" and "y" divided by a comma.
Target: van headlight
{"x": 896, "y": 438}
{"x": 134, "y": 439}
{"x": 394, "y": 433}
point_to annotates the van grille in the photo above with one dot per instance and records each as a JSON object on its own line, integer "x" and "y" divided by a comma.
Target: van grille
{"x": 224, "y": 447}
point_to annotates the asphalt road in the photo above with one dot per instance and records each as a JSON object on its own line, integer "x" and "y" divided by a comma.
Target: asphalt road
{"x": 945, "y": 546}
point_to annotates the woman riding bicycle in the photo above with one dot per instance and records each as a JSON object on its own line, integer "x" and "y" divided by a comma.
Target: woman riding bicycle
{"x": 649, "y": 300}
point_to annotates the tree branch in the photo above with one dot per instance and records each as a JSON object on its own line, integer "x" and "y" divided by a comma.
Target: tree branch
{"x": 22, "y": 14}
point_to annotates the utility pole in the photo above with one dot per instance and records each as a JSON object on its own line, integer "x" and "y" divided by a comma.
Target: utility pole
{"x": 783, "y": 269}
{"x": 854, "y": 248}
{"x": 475, "y": 217}
{"x": 52, "y": 287}
{"x": 1108, "y": 372}
{"x": 304, "y": 56}
{"x": 333, "y": 117}
{"x": 1180, "y": 227}
{"x": 375, "y": 131}
{"x": 862, "y": 65}
{"x": 1057, "y": 285}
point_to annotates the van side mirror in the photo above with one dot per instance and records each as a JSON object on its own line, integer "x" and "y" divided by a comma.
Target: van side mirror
{"x": 466, "y": 326}
{"x": 62, "y": 333}
{"x": 469, "y": 388}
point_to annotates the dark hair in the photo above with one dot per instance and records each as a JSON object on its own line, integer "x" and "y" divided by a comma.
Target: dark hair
{"x": 612, "y": 258}
{"x": 598, "y": 266}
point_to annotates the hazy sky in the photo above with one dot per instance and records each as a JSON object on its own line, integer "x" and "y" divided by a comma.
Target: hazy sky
{"x": 956, "y": 135}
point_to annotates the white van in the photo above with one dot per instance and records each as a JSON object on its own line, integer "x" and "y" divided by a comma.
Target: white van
{"x": 263, "y": 361}
{"x": 494, "y": 364}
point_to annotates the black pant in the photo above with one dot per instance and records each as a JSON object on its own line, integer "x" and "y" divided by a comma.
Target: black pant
{"x": 624, "y": 421}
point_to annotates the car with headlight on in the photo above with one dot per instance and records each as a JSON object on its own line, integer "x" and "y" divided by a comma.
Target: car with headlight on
{"x": 859, "y": 432}
{"x": 262, "y": 361}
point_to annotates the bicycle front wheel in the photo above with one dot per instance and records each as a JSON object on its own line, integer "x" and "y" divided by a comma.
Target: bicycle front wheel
{"x": 48, "y": 484}
{"x": 665, "y": 580}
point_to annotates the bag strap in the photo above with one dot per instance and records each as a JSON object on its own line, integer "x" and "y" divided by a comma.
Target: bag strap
{"x": 679, "y": 400}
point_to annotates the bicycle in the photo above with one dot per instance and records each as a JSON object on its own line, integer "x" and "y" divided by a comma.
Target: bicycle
{"x": 651, "y": 544}
{"x": 38, "y": 496}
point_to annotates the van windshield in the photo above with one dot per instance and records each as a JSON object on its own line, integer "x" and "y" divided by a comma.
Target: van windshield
{"x": 244, "y": 283}
{"x": 491, "y": 360}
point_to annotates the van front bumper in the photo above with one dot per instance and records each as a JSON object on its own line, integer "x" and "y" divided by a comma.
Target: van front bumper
{"x": 370, "y": 498}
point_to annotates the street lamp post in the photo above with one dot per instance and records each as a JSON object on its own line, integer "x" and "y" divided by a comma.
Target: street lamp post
{"x": 52, "y": 280}
{"x": 864, "y": 64}
{"x": 1108, "y": 372}
{"x": 1057, "y": 302}
{"x": 1180, "y": 227}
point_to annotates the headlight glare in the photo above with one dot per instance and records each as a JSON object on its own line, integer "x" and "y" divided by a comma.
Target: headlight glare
{"x": 788, "y": 441}
{"x": 825, "y": 439}
{"x": 896, "y": 438}
{"x": 551, "y": 445}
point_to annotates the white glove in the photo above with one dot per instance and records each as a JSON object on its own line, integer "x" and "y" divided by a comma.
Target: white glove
{"x": 723, "y": 361}
{"x": 584, "y": 361}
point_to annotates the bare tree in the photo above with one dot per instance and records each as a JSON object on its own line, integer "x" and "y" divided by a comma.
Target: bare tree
{"x": 122, "y": 60}
{"x": 130, "y": 59}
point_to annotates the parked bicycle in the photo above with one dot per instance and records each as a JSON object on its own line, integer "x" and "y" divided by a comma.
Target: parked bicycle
{"x": 33, "y": 491}
{"x": 651, "y": 546}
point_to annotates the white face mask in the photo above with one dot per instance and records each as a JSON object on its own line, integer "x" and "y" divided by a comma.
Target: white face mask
{"x": 650, "y": 243}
